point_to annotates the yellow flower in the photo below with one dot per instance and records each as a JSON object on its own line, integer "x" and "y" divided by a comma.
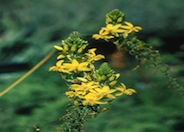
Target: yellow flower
{"x": 114, "y": 77}
{"x": 112, "y": 29}
{"x": 59, "y": 67}
{"x": 76, "y": 66}
{"x": 69, "y": 67}
{"x": 104, "y": 92}
{"x": 122, "y": 90}
{"x": 70, "y": 94}
{"x": 92, "y": 55}
{"x": 105, "y": 37}
{"x": 93, "y": 99}
{"x": 85, "y": 86}
{"x": 129, "y": 28}
{"x": 82, "y": 89}
{"x": 129, "y": 91}
{"x": 109, "y": 32}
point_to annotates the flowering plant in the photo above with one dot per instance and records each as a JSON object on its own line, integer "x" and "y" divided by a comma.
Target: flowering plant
{"x": 90, "y": 89}
{"x": 122, "y": 34}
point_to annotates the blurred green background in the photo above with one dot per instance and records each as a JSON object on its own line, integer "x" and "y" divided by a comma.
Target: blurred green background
{"x": 28, "y": 31}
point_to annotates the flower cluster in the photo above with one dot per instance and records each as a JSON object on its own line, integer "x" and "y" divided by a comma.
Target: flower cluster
{"x": 99, "y": 88}
{"x": 87, "y": 86}
{"x": 71, "y": 59}
{"x": 116, "y": 27}
{"x": 92, "y": 89}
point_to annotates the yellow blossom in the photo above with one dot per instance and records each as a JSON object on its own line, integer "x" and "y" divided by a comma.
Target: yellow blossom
{"x": 82, "y": 89}
{"x": 59, "y": 67}
{"x": 113, "y": 29}
{"x": 70, "y": 94}
{"x": 104, "y": 92}
{"x": 92, "y": 55}
{"x": 109, "y": 32}
{"x": 84, "y": 86}
{"x": 129, "y": 28}
{"x": 114, "y": 77}
{"x": 129, "y": 91}
{"x": 122, "y": 90}
{"x": 100, "y": 36}
{"x": 76, "y": 66}
{"x": 93, "y": 99}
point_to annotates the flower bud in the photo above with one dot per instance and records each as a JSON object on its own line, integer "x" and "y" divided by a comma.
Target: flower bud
{"x": 65, "y": 47}
{"x": 61, "y": 56}
{"x": 112, "y": 83}
{"x": 119, "y": 19}
{"x": 108, "y": 20}
{"x": 111, "y": 78}
{"x": 81, "y": 48}
{"x": 82, "y": 79}
{"x": 73, "y": 48}
{"x": 58, "y": 47}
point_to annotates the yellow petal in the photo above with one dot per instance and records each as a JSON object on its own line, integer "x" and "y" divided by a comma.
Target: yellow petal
{"x": 53, "y": 68}
{"x": 82, "y": 79}
{"x": 60, "y": 57}
{"x": 123, "y": 85}
{"x": 59, "y": 63}
{"x": 129, "y": 24}
{"x": 58, "y": 47}
{"x": 129, "y": 91}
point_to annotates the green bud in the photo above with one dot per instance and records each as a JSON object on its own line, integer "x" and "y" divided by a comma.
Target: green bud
{"x": 65, "y": 47}
{"x": 108, "y": 20}
{"x": 115, "y": 16}
{"x": 119, "y": 20}
{"x": 111, "y": 78}
{"x": 103, "y": 77}
{"x": 117, "y": 75}
{"x": 81, "y": 48}
{"x": 73, "y": 48}
{"x": 112, "y": 83}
